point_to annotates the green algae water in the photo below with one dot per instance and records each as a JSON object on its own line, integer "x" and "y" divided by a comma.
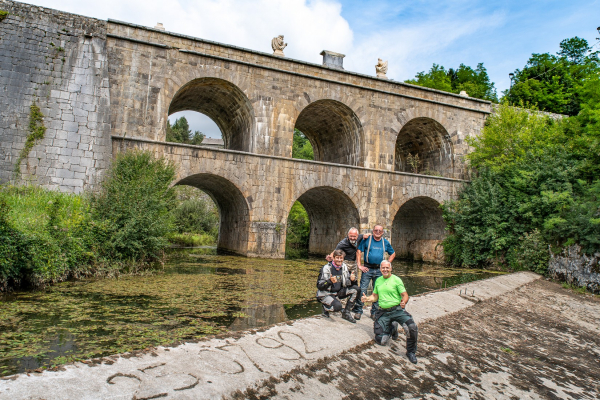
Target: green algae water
{"x": 197, "y": 293}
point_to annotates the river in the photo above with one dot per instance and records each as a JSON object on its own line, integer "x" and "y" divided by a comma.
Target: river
{"x": 197, "y": 293}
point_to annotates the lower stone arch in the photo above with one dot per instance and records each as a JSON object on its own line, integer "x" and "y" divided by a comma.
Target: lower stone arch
{"x": 234, "y": 213}
{"x": 418, "y": 230}
{"x": 331, "y": 213}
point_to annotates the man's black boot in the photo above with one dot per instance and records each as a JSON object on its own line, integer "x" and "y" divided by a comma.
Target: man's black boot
{"x": 395, "y": 330}
{"x": 412, "y": 357}
{"x": 325, "y": 312}
{"x": 357, "y": 316}
{"x": 348, "y": 317}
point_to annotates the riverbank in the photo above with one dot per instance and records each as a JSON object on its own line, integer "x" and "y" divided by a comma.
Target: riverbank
{"x": 276, "y": 359}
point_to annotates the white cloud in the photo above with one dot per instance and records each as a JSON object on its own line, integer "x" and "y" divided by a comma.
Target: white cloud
{"x": 308, "y": 27}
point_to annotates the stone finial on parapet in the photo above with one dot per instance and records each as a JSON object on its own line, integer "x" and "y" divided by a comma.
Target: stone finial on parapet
{"x": 159, "y": 26}
{"x": 381, "y": 68}
{"x": 278, "y": 45}
{"x": 463, "y": 93}
{"x": 333, "y": 60}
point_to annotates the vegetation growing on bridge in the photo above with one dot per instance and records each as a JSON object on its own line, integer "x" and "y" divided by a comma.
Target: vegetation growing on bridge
{"x": 36, "y": 132}
{"x": 3, "y": 15}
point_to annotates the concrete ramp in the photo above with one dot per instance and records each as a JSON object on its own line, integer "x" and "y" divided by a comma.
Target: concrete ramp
{"x": 213, "y": 368}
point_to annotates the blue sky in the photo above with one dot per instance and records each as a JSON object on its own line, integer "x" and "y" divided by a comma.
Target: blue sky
{"x": 410, "y": 35}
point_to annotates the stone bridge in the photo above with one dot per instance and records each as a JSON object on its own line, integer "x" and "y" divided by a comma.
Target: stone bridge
{"x": 254, "y": 194}
{"x": 106, "y": 86}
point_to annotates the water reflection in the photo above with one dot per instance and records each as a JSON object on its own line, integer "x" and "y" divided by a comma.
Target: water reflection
{"x": 198, "y": 293}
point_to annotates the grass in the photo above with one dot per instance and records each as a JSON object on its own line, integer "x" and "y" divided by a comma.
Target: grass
{"x": 575, "y": 288}
{"x": 192, "y": 239}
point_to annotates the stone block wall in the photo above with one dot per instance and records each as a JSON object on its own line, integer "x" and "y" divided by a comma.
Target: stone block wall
{"x": 57, "y": 61}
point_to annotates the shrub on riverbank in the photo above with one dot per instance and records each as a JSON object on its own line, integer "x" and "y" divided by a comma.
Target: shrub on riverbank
{"x": 47, "y": 236}
{"x": 131, "y": 213}
{"x": 43, "y": 236}
{"x": 535, "y": 185}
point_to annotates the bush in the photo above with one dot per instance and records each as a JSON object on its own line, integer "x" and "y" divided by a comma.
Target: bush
{"x": 131, "y": 213}
{"x": 195, "y": 212}
{"x": 297, "y": 232}
{"x": 42, "y": 235}
{"x": 533, "y": 186}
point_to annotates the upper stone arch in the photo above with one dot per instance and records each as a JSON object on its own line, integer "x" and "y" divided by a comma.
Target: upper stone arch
{"x": 234, "y": 212}
{"x": 222, "y": 101}
{"x": 430, "y": 141}
{"x": 334, "y": 131}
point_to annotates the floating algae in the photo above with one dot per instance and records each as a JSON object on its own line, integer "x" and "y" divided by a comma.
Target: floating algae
{"x": 197, "y": 294}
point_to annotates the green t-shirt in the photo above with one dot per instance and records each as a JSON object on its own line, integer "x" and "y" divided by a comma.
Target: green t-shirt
{"x": 389, "y": 291}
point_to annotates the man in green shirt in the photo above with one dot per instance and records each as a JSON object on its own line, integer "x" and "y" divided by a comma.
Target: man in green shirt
{"x": 390, "y": 292}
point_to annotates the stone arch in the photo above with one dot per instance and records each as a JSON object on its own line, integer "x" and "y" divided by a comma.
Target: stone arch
{"x": 224, "y": 103}
{"x": 234, "y": 213}
{"x": 418, "y": 229}
{"x": 428, "y": 139}
{"x": 334, "y": 131}
{"x": 331, "y": 214}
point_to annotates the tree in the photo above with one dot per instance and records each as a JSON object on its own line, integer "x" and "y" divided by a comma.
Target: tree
{"x": 553, "y": 82}
{"x": 301, "y": 147}
{"x": 180, "y": 132}
{"x": 475, "y": 82}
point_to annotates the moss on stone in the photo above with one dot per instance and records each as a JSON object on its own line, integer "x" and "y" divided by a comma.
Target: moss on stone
{"x": 3, "y": 15}
{"x": 36, "y": 132}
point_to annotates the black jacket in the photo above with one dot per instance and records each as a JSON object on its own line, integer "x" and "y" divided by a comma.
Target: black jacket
{"x": 348, "y": 248}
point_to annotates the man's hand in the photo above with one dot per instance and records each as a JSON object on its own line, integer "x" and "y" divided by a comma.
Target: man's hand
{"x": 363, "y": 269}
{"x": 333, "y": 279}
{"x": 403, "y": 303}
{"x": 364, "y": 298}
{"x": 366, "y": 236}
{"x": 329, "y": 258}
{"x": 352, "y": 276}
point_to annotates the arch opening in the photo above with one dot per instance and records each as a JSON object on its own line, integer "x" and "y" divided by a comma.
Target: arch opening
{"x": 234, "y": 214}
{"x": 334, "y": 131}
{"x": 418, "y": 230}
{"x": 222, "y": 102}
{"x": 331, "y": 214}
{"x": 423, "y": 146}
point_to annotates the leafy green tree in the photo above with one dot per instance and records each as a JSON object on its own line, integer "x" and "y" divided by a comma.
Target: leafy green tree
{"x": 475, "y": 82}
{"x": 533, "y": 186}
{"x": 131, "y": 214}
{"x": 180, "y": 132}
{"x": 298, "y": 232}
{"x": 301, "y": 147}
{"x": 554, "y": 82}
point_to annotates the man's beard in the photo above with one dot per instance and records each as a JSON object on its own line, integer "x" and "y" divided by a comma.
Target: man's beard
{"x": 352, "y": 242}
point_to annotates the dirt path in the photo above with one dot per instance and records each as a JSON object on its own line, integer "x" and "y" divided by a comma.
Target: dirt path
{"x": 540, "y": 341}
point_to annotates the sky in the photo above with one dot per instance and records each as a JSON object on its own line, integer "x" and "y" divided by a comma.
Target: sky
{"x": 410, "y": 35}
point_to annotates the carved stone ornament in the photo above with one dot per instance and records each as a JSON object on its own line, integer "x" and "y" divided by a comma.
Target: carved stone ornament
{"x": 278, "y": 45}
{"x": 381, "y": 68}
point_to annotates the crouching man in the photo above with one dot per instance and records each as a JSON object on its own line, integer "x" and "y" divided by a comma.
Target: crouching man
{"x": 336, "y": 282}
{"x": 390, "y": 292}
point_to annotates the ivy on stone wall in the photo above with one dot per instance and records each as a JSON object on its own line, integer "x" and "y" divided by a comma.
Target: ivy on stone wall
{"x": 3, "y": 15}
{"x": 36, "y": 132}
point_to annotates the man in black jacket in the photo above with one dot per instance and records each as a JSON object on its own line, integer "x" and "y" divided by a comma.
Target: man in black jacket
{"x": 348, "y": 245}
{"x": 337, "y": 282}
